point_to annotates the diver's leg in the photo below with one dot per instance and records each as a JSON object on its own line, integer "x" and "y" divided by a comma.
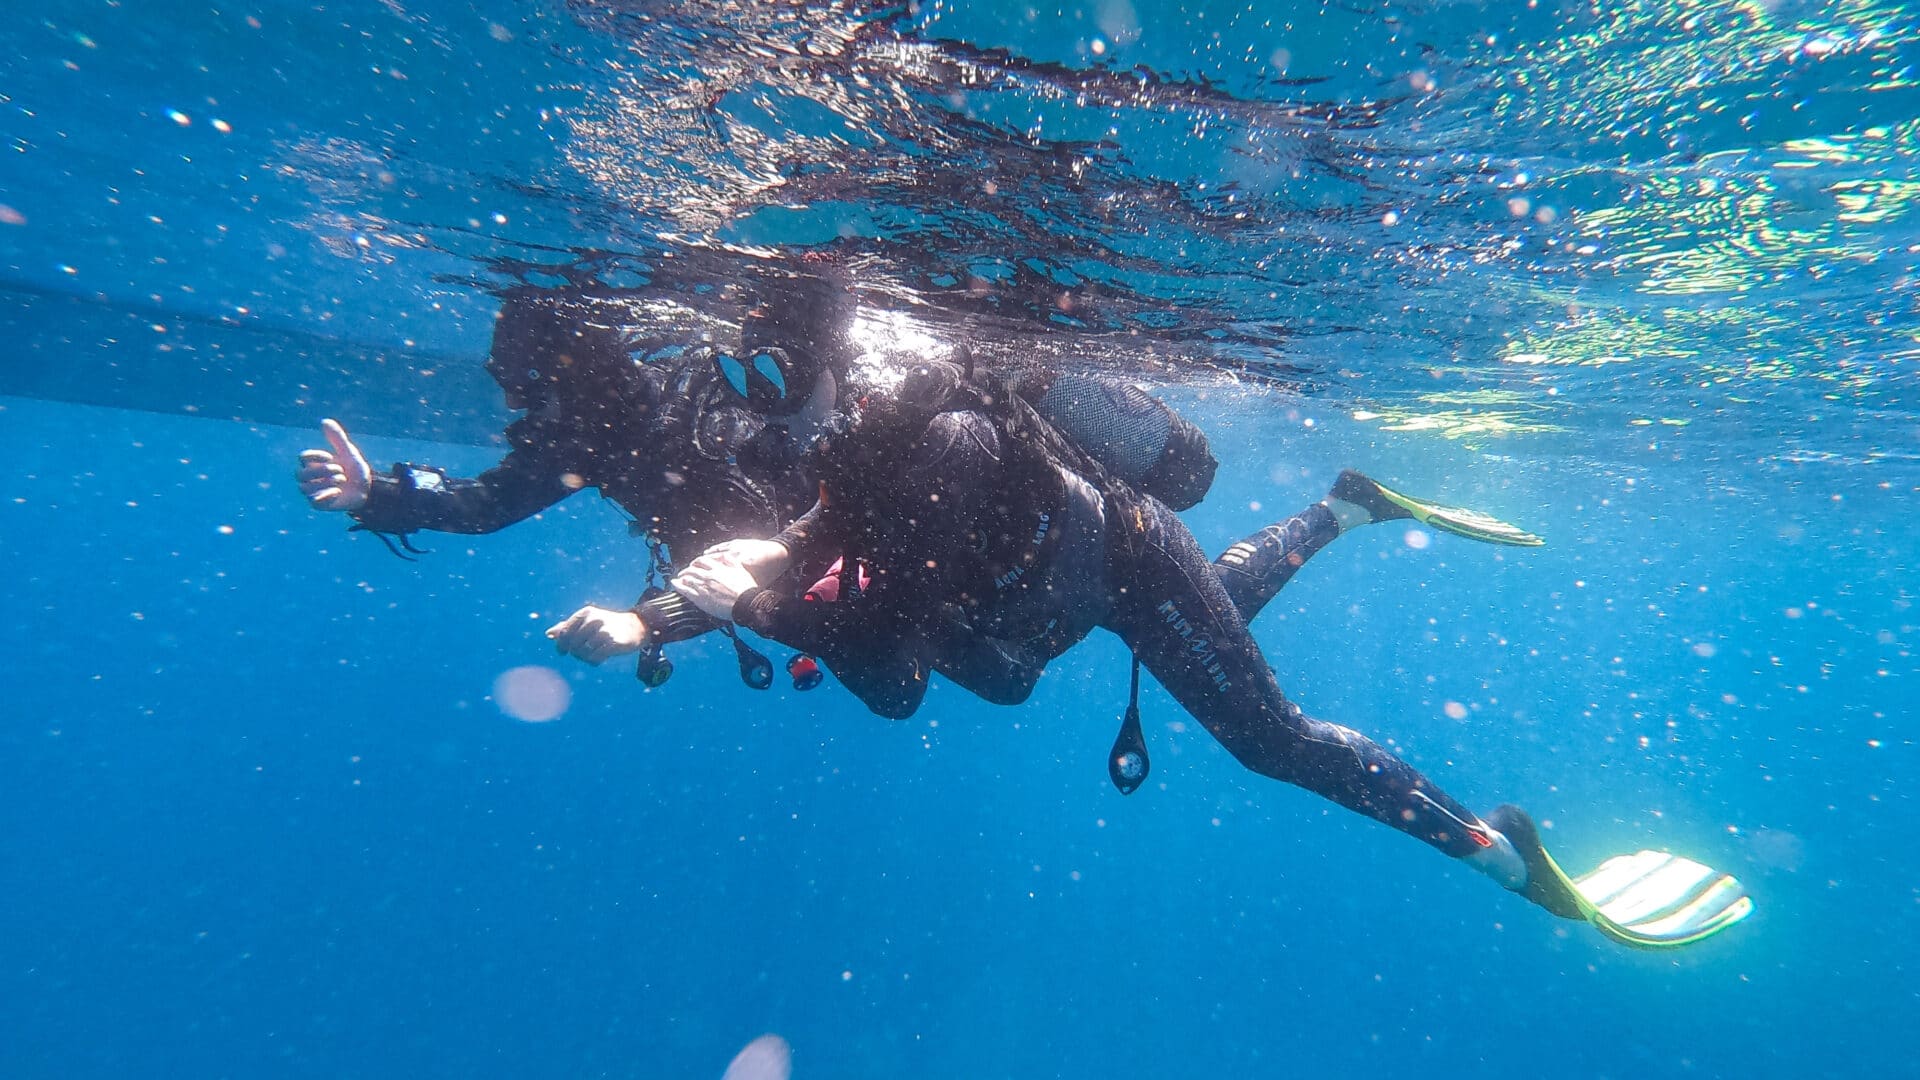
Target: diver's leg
{"x": 889, "y": 682}
{"x": 998, "y": 672}
{"x": 1176, "y": 616}
{"x": 881, "y": 658}
{"x": 1254, "y": 570}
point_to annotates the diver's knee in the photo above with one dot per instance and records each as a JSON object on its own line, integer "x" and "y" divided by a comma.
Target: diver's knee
{"x": 1010, "y": 694}
{"x": 895, "y": 708}
{"x": 1275, "y": 751}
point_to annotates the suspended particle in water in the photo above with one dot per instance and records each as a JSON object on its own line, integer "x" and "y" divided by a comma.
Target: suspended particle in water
{"x": 532, "y": 693}
{"x": 1417, "y": 539}
{"x": 765, "y": 1058}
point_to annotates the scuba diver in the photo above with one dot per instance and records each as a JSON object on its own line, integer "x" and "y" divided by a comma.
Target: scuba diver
{"x": 660, "y": 439}
{"x": 973, "y": 537}
{"x": 683, "y": 445}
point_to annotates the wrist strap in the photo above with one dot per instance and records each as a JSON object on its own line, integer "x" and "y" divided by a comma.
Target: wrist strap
{"x": 670, "y": 617}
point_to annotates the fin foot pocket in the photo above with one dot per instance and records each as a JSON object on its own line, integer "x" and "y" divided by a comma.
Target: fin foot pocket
{"x": 1547, "y": 885}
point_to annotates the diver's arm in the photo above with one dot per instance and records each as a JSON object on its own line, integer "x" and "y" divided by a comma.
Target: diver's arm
{"x": 596, "y": 634}
{"x": 423, "y": 497}
{"x": 662, "y": 617}
{"x": 666, "y": 616}
{"x": 793, "y": 621}
{"x": 859, "y": 639}
{"x": 821, "y": 531}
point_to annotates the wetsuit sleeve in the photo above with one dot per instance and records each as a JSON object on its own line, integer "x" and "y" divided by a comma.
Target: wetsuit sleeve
{"x": 422, "y": 497}
{"x": 791, "y": 620}
{"x": 670, "y": 617}
{"x": 814, "y": 533}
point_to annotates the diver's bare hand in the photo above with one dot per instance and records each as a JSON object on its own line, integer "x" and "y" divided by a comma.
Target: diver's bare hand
{"x": 764, "y": 559}
{"x": 713, "y": 586}
{"x": 597, "y": 634}
{"x": 335, "y": 479}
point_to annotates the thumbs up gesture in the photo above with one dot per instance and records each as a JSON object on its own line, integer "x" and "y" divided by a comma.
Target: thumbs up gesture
{"x": 337, "y": 478}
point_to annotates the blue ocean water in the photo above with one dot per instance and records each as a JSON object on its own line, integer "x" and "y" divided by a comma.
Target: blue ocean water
{"x": 1640, "y": 279}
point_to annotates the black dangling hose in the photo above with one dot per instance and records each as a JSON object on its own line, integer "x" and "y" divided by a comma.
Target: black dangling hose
{"x": 388, "y": 539}
{"x": 755, "y": 669}
{"x": 1127, "y": 764}
{"x": 653, "y": 670}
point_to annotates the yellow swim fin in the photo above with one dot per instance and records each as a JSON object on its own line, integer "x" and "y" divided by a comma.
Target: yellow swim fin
{"x": 1650, "y": 899}
{"x": 1386, "y": 504}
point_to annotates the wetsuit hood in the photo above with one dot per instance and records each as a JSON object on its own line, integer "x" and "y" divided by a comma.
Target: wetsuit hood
{"x": 787, "y": 341}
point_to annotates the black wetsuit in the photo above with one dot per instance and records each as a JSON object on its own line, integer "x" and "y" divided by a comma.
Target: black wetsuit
{"x": 660, "y": 439}
{"x": 993, "y": 546}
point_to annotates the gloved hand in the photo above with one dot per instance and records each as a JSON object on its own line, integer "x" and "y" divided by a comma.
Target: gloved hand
{"x": 336, "y": 479}
{"x": 597, "y": 634}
